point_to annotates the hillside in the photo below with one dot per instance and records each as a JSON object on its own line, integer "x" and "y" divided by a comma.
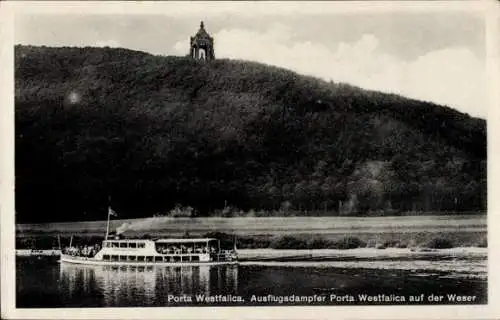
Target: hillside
{"x": 153, "y": 132}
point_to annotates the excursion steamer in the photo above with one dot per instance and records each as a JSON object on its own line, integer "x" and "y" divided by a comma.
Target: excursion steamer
{"x": 178, "y": 251}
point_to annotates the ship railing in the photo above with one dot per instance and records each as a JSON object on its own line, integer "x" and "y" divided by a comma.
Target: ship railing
{"x": 88, "y": 252}
{"x": 226, "y": 255}
{"x": 173, "y": 250}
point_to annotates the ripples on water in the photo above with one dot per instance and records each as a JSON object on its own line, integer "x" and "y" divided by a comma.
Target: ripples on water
{"x": 42, "y": 283}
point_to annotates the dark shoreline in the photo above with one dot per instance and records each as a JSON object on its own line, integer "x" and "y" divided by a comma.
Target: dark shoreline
{"x": 423, "y": 240}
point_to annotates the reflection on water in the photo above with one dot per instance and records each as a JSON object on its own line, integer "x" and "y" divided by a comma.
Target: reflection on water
{"x": 48, "y": 284}
{"x": 119, "y": 285}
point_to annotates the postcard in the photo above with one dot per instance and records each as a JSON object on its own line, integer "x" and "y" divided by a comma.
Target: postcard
{"x": 249, "y": 159}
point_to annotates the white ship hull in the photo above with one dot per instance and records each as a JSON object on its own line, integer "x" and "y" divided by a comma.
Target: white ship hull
{"x": 92, "y": 261}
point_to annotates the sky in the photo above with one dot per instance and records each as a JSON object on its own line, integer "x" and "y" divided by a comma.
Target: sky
{"x": 432, "y": 56}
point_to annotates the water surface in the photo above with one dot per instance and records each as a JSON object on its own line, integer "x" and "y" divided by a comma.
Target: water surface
{"x": 48, "y": 284}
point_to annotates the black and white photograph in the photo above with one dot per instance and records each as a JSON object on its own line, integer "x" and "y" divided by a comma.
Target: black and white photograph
{"x": 250, "y": 154}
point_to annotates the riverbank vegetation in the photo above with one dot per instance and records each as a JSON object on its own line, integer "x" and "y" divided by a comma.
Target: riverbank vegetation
{"x": 303, "y": 241}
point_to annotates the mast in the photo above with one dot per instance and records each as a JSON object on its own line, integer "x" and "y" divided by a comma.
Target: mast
{"x": 234, "y": 243}
{"x": 107, "y": 227}
{"x": 110, "y": 212}
{"x": 59, "y": 241}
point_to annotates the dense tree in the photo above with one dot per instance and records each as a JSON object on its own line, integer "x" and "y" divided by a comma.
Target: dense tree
{"x": 153, "y": 132}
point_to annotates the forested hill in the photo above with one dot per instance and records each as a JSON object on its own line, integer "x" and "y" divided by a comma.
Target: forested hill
{"x": 153, "y": 131}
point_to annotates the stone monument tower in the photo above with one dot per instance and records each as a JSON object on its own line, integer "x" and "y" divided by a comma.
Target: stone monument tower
{"x": 202, "y": 45}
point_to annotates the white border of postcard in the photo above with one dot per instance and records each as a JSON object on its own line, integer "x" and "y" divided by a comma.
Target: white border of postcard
{"x": 8, "y": 11}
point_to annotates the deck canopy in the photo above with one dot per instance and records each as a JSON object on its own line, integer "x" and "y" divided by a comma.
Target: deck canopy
{"x": 127, "y": 240}
{"x": 194, "y": 240}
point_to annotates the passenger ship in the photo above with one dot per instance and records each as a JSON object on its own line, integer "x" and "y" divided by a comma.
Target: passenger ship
{"x": 151, "y": 252}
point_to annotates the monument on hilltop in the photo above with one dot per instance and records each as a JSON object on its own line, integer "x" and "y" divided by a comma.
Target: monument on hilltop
{"x": 202, "y": 45}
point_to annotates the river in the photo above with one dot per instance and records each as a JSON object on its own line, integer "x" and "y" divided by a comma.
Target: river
{"x": 413, "y": 279}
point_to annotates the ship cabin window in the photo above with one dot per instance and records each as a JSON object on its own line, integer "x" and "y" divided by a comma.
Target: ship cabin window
{"x": 177, "y": 258}
{"x": 114, "y": 258}
{"x": 158, "y": 258}
{"x": 123, "y": 258}
{"x": 141, "y": 245}
{"x": 195, "y": 258}
{"x": 107, "y": 245}
{"x": 105, "y": 257}
{"x": 131, "y": 258}
{"x": 140, "y": 258}
{"x": 114, "y": 244}
{"x": 132, "y": 245}
{"x": 149, "y": 259}
{"x": 123, "y": 244}
{"x": 166, "y": 259}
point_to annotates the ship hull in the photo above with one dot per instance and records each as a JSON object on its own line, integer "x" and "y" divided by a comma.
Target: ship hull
{"x": 90, "y": 261}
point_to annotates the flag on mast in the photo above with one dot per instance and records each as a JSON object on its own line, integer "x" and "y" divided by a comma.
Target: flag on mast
{"x": 111, "y": 212}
